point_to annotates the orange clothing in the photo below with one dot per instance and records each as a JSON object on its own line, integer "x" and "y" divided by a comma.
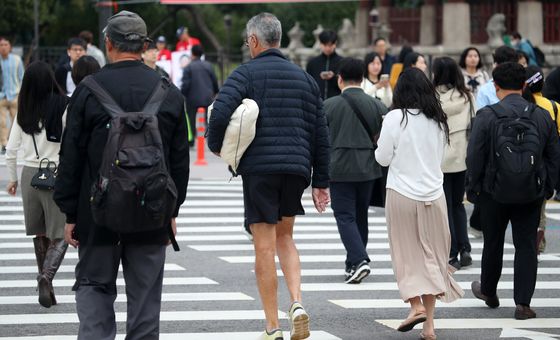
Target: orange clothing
{"x": 395, "y": 73}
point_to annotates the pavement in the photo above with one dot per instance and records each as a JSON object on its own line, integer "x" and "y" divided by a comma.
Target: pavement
{"x": 210, "y": 292}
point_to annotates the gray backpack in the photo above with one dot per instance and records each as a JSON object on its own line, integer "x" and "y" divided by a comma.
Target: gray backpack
{"x": 134, "y": 191}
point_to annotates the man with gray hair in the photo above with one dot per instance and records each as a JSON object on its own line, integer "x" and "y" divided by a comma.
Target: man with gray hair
{"x": 291, "y": 140}
{"x": 131, "y": 84}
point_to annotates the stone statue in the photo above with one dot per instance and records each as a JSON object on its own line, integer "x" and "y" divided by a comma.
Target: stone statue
{"x": 346, "y": 35}
{"x": 296, "y": 36}
{"x": 316, "y": 33}
{"x": 496, "y": 28}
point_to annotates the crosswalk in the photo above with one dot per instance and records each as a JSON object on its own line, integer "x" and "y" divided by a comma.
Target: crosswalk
{"x": 209, "y": 290}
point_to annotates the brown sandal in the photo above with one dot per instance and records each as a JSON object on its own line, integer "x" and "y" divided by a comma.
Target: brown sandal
{"x": 409, "y": 323}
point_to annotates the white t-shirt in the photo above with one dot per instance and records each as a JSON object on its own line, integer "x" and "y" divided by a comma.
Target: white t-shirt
{"x": 413, "y": 151}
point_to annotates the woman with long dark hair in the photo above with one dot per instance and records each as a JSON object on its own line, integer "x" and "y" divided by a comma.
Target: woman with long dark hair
{"x": 374, "y": 83}
{"x": 41, "y": 104}
{"x": 412, "y": 144}
{"x": 472, "y": 69}
{"x": 458, "y": 104}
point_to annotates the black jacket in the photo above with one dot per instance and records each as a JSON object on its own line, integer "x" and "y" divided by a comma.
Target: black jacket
{"x": 130, "y": 83}
{"x": 322, "y": 62}
{"x": 352, "y": 150}
{"x": 478, "y": 150}
{"x": 291, "y": 135}
{"x": 552, "y": 85}
{"x": 199, "y": 84}
{"x": 61, "y": 74}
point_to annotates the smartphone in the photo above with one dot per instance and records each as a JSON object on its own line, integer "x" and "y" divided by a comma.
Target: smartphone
{"x": 384, "y": 77}
{"x": 324, "y": 74}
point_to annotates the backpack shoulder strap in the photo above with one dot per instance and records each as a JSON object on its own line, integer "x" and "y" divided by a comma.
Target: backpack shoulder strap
{"x": 158, "y": 96}
{"x": 499, "y": 110}
{"x": 103, "y": 96}
{"x": 555, "y": 109}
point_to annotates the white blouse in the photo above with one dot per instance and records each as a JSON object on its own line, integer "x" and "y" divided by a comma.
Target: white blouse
{"x": 413, "y": 151}
{"x": 21, "y": 140}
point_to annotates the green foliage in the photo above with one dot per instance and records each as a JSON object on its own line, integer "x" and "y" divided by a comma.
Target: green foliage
{"x": 62, "y": 19}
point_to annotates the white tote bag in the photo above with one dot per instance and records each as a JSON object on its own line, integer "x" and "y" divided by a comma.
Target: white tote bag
{"x": 240, "y": 132}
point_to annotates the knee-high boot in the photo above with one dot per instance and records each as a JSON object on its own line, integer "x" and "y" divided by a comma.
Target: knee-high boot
{"x": 53, "y": 259}
{"x": 41, "y": 244}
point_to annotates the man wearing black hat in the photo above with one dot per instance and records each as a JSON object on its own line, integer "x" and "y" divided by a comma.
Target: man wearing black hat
{"x": 130, "y": 83}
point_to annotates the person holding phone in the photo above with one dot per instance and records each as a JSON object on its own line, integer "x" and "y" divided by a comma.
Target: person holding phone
{"x": 323, "y": 68}
{"x": 375, "y": 83}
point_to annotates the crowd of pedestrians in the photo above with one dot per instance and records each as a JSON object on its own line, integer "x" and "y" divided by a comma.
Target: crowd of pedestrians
{"x": 344, "y": 126}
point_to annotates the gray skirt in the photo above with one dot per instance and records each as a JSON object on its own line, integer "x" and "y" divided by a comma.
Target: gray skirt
{"x": 41, "y": 214}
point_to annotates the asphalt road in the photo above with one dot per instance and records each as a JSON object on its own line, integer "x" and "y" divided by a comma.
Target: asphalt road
{"x": 210, "y": 289}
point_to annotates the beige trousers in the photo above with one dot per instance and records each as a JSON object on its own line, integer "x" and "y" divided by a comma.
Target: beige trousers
{"x": 7, "y": 107}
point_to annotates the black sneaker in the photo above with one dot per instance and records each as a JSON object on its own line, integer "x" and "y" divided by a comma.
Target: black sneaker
{"x": 455, "y": 263}
{"x": 347, "y": 273}
{"x": 466, "y": 259}
{"x": 358, "y": 273}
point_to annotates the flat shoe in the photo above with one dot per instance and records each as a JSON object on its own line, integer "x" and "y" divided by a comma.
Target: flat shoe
{"x": 428, "y": 337}
{"x": 409, "y": 323}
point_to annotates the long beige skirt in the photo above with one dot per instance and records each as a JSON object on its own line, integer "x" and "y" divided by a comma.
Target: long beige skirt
{"x": 420, "y": 243}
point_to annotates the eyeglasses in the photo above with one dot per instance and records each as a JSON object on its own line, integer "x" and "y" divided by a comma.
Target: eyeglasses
{"x": 247, "y": 40}
{"x": 77, "y": 49}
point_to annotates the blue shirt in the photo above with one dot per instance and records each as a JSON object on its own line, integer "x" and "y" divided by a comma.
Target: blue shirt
{"x": 486, "y": 95}
{"x": 12, "y": 75}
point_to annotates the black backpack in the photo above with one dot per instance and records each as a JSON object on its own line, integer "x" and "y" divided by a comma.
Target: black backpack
{"x": 516, "y": 171}
{"x": 134, "y": 191}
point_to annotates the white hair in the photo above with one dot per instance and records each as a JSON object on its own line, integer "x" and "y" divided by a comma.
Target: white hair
{"x": 267, "y": 29}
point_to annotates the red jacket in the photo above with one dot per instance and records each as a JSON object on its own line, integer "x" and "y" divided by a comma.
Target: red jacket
{"x": 186, "y": 45}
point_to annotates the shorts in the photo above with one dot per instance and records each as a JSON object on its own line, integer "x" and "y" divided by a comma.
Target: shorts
{"x": 268, "y": 198}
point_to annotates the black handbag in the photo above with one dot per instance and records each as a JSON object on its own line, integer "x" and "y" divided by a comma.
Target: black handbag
{"x": 45, "y": 177}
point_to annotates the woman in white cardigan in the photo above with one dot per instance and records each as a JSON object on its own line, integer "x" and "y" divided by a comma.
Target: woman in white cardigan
{"x": 375, "y": 84}
{"x": 458, "y": 104}
{"x": 40, "y": 99}
{"x": 412, "y": 143}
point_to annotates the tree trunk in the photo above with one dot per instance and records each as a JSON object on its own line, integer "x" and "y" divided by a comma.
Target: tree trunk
{"x": 201, "y": 25}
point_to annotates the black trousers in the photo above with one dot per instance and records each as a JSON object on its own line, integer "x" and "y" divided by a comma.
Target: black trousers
{"x": 454, "y": 188}
{"x": 350, "y": 203}
{"x": 524, "y": 220}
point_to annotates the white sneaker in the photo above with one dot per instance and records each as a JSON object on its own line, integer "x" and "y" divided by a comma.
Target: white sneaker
{"x": 299, "y": 320}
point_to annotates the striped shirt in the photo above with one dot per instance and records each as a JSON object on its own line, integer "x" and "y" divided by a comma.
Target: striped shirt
{"x": 12, "y": 75}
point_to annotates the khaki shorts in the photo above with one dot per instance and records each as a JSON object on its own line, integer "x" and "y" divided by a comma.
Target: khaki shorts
{"x": 41, "y": 214}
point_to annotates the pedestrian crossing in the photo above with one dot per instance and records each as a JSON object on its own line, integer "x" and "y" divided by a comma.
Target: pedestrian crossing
{"x": 209, "y": 289}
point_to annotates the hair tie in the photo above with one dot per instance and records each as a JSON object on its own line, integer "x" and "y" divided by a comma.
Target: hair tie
{"x": 535, "y": 78}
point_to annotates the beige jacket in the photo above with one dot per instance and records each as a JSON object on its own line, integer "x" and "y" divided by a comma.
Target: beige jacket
{"x": 458, "y": 111}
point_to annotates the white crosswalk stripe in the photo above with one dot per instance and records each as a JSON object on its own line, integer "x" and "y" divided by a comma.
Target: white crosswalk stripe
{"x": 204, "y": 305}
{"x": 210, "y": 223}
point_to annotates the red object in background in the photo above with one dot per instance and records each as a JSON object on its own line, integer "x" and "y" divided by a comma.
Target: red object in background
{"x": 185, "y": 45}
{"x": 200, "y": 129}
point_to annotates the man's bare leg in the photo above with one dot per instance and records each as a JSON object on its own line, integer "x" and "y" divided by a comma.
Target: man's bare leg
{"x": 289, "y": 257}
{"x": 264, "y": 241}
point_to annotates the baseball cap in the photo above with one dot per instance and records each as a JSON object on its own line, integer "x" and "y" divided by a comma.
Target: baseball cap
{"x": 161, "y": 39}
{"x": 181, "y": 30}
{"x": 126, "y": 26}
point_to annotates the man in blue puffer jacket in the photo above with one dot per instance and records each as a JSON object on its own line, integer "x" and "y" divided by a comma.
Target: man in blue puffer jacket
{"x": 291, "y": 140}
